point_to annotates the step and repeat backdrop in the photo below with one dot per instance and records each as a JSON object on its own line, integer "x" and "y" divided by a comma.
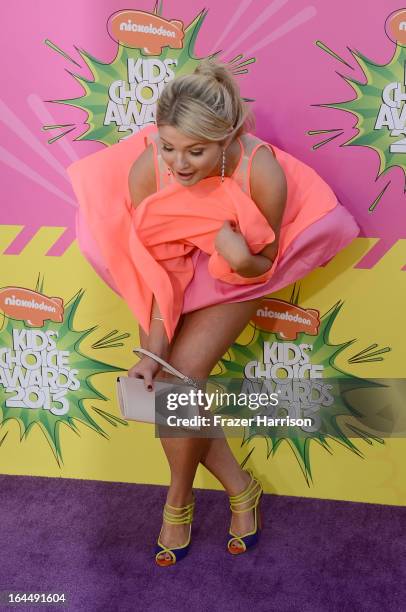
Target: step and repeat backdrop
{"x": 327, "y": 83}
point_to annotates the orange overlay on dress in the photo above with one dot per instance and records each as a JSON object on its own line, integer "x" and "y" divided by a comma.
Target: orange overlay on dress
{"x": 148, "y": 250}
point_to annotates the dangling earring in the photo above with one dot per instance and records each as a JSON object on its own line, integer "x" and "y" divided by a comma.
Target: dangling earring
{"x": 169, "y": 171}
{"x": 223, "y": 165}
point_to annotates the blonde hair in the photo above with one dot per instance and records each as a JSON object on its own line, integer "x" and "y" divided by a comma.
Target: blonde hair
{"x": 206, "y": 104}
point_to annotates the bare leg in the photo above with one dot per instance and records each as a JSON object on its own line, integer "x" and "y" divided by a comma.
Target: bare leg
{"x": 220, "y": 462}
{"x": 203, "y": 339}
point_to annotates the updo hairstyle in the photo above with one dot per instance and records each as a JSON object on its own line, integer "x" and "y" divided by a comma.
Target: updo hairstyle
{"x": 206, "y": 104}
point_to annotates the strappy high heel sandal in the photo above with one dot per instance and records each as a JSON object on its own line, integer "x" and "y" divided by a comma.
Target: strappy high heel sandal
{"x": 238, "y": 544}
{"x": 175, "y": 516}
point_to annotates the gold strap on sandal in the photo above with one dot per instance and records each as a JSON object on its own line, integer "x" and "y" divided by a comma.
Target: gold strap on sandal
{"x": 252, "y": 493}
{"x": 165, "y": 550}
{"x": 175, "y": 516}
{"x": 182, "y": 516}
{"x": 250, "y": 499}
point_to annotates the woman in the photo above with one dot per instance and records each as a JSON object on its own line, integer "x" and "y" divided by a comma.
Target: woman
{"x": 208, "y": 107}
{"x": 200, "y": 118}
{"x": 201, "y": 134}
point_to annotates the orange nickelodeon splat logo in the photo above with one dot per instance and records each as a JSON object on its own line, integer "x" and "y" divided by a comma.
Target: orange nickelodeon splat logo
{"x": 140, "y": 30}
{"x": 395, "y": 26}
{"x": 30, "y": 306}
{"x": 285, "y": 319}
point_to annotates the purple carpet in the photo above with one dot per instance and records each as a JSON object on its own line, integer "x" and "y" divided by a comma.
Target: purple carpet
{"x": 94, "y": 542}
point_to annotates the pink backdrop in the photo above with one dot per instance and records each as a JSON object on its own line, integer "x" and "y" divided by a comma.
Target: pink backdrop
{"x": 290, "y": 76}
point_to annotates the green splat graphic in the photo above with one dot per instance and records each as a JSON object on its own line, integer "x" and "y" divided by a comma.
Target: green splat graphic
{"x": 332, "y": 417}
{"x": 379, "y": 126}
{"x": 98, "y": 103}
{"x": 82, "y": 367}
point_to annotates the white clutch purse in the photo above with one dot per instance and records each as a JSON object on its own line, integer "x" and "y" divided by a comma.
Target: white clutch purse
{"x": 138, "y": 404}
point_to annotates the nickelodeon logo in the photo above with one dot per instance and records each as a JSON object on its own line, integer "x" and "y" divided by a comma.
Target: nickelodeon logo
{"x": 140, "y": 30}
{"x": 285, "y": 319}
{"x": 129, "y": 26}
{"x": 395, "y": 27}
{"x": 30, "y": 306}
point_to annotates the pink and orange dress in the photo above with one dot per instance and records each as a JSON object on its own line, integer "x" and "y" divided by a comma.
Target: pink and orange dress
{"x": 165, "y": 246}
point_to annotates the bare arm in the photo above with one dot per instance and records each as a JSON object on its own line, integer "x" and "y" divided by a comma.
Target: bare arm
{"x": 269, "y": 191}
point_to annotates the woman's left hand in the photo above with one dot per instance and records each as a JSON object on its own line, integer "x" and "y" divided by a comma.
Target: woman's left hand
{"x": 231, "y": 244}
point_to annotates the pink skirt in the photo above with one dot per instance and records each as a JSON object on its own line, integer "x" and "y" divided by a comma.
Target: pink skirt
{"x": 314, "y": 247}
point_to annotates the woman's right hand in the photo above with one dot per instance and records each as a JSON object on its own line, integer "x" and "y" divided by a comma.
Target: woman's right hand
{"x": 147, "y": 369}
